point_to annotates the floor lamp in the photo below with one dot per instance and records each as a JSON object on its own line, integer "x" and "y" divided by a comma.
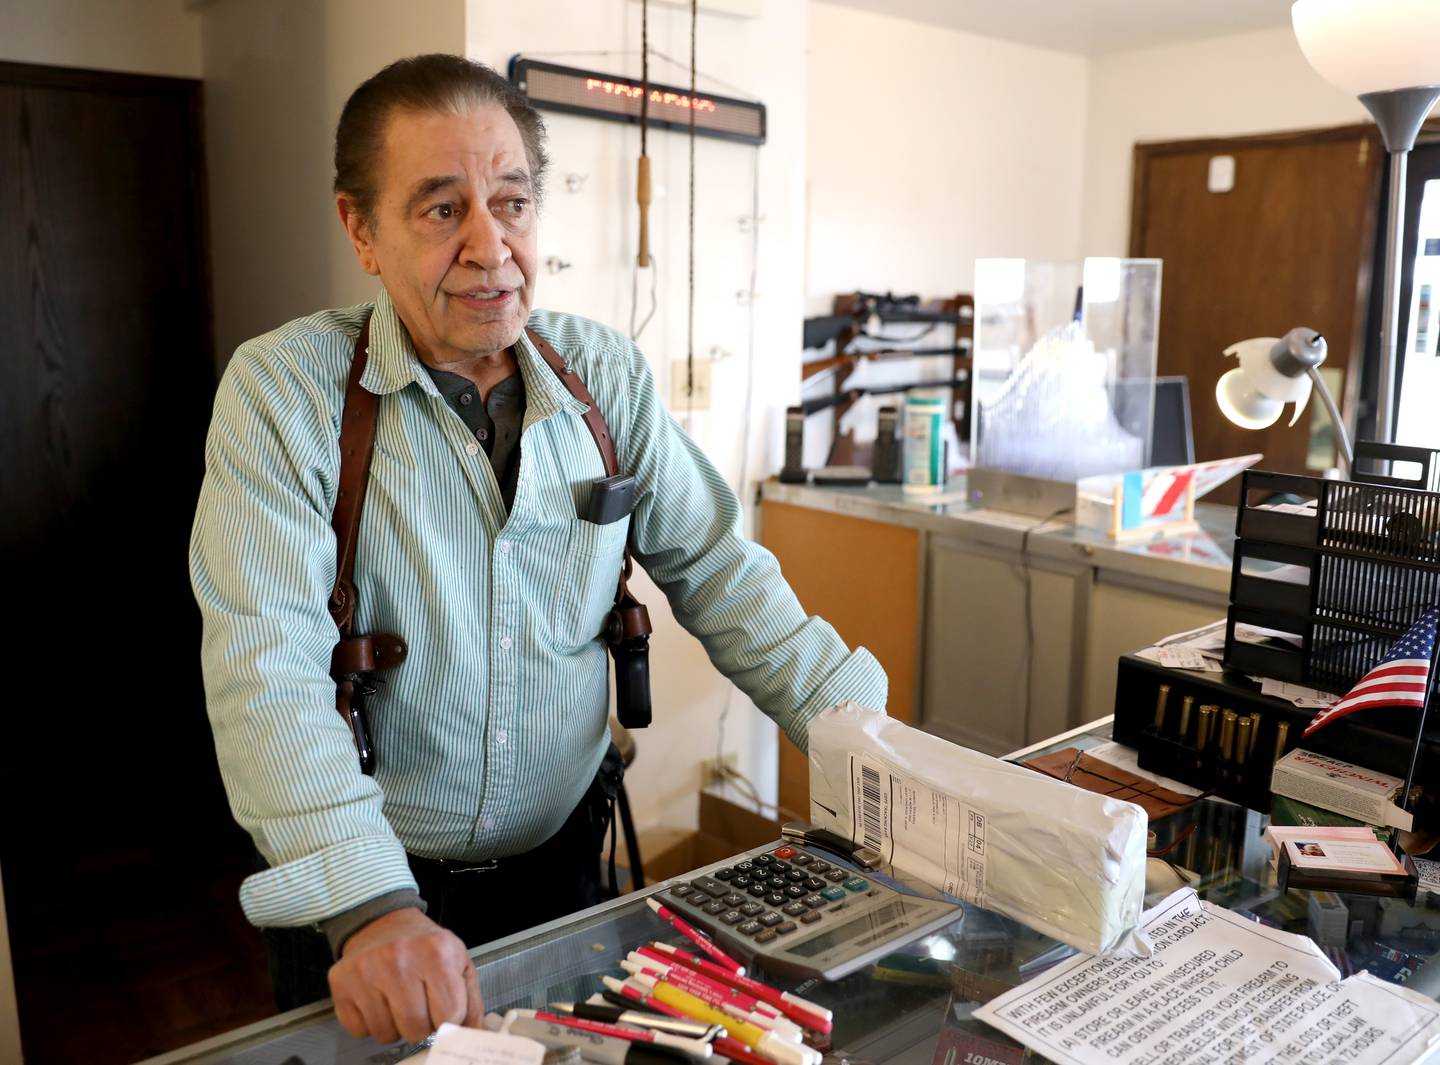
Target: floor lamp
{"x": 1387, "y": 53}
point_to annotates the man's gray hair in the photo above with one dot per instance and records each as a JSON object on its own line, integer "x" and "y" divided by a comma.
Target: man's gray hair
{"x": 435, "y": 82}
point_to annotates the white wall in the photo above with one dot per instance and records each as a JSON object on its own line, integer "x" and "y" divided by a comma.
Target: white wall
{"x": 276, "y": 75}
{"x": 931, "y": 147}
{"x": 1244, "y": 83}
{"x": 595, "y": 230}
{"x": 139, "y": 36}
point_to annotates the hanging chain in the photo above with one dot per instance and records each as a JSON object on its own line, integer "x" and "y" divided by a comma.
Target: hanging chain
{"x": 690, "y": 316}
{"x": 644, "y": 71}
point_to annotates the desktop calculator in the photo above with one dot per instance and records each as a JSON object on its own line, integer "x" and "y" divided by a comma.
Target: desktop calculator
{"x": 802, "y": 911}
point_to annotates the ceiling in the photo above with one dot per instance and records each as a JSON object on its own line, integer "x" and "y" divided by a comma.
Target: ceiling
{"x": 1089, "y": 27}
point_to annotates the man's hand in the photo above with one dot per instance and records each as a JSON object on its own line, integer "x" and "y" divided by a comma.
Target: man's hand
{"x": 401, "y": 977}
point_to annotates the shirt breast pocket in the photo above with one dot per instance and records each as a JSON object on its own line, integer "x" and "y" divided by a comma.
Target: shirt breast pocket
{"x": 593, "y": 558}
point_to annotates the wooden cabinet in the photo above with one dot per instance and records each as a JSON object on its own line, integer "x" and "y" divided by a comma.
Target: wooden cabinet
{"x": 862, "y": 576}
{"x": 1126, "y": 614}
{"x": 994, "y": 634}
{"x": 1002, "y": 643}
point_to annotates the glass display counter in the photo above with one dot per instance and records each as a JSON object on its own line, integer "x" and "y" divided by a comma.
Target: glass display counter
{"x": 911, "y": 1007}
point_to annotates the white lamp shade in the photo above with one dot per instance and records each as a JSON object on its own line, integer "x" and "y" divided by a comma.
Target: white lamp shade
{"x": 1244, "y": 405}
{"x": 1365, "y": 46}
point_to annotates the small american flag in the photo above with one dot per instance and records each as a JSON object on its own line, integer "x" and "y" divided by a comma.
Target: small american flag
{"x": 1401, "y": 678}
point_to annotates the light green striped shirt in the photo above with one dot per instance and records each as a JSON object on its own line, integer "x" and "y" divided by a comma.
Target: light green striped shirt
{"x": 489, "y": 734}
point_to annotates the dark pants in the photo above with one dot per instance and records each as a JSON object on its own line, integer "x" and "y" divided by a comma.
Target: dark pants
{"x": 481, "y": 904}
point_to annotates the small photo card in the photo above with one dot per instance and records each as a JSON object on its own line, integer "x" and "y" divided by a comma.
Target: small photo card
{"x": 1342, "y": 856}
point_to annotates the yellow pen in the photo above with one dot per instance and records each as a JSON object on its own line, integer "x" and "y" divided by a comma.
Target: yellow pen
{"x": 766, "y": 1044}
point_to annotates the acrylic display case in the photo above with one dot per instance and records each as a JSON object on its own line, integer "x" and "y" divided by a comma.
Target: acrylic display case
{"x": 1064, "y": 376}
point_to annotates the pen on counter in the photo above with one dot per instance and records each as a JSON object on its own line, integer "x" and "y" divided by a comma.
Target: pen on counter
{"x": 648, "y": 975}
{"x": 702, "y": 941}
{"x": 619, "y": 991}
{"x": 724, "y": 1044}
{"x": 591, "y": 1011}
{"x": 1185, "y": 705}
{"x": 1254, "y": 732}
{"x": 694, "y": 1048}
{"x": 767, "y": 1044}
{"x": 803, "y": 1011}
{"x": 651, "y": 958}
{"x": 1162, "y": 697}
{"x": 592, "y": 1046}
{"x": 630, "y": 999}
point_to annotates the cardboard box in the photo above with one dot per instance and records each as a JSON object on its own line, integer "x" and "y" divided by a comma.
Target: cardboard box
{"x": 1331, "y": 784}
{"x": 726, "y": 828}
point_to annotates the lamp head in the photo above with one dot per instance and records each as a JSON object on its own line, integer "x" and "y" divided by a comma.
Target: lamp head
{"x": 1272, "y": 372}
{"x": 1245, "y": 405}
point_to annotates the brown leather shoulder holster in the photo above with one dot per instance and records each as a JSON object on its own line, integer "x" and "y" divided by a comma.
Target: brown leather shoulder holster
{"x": 355, "y": 660}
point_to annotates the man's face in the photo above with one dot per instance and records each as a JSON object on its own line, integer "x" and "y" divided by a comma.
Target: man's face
{"x": 454, "y": 234}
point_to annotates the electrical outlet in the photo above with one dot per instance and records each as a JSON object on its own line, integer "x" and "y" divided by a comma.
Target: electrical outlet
{"x": 717, "y": 770}
{"x": 679, "y": 402}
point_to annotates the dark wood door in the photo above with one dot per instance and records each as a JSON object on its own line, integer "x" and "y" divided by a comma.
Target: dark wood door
{"x": 116, "y": 826}
{"x": 1289, "y": 245}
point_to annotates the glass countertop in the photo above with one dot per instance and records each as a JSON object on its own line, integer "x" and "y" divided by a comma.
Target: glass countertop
{"x": 911, "y": 1007}
{"x": 1208, "y": 547}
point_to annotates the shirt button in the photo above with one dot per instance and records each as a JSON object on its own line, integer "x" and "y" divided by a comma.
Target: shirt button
{"x": 482, "y": 434}
{"x": 489, "y": 824}
{"x": 505, "y": 643}
{"x": 504, "y": 547}
{"x": 471, "y": 449}
{"x": 465, "y": 399}
{"x": 501, "y": 736}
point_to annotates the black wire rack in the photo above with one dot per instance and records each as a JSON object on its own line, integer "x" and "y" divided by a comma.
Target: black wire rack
{"x": 1333, "y": 571}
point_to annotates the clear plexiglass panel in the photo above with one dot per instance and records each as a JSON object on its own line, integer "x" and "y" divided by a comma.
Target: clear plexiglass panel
{"x": 1064, "y": 365}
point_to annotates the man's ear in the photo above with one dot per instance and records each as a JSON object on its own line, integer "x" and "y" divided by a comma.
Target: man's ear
{"x": 358, "y": 230}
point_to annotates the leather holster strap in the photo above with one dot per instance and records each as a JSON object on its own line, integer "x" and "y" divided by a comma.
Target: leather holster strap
{"x": 594, "y": 420}
{"x": 365, "y": 654}
{"x": 357, "y": 442}
{"x": 635, "y": 621}
{"x": 355, "y": 654}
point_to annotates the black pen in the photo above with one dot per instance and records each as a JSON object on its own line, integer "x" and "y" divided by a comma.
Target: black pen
{"x": 594, "y": 1011}
{"x": 601, "y": 1049}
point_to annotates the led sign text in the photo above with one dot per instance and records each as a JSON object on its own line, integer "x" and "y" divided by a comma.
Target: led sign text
{"x": 634, "y": 92}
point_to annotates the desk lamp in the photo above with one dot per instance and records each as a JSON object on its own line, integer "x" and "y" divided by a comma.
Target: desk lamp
{"x": 1272, "y": 373}
{"x": 1385, "y": 52}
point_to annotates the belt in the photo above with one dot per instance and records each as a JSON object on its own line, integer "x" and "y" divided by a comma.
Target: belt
{"x": 449, "y": 865}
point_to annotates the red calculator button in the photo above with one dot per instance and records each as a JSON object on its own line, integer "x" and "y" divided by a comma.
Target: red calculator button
{"x": 784, "y": 852}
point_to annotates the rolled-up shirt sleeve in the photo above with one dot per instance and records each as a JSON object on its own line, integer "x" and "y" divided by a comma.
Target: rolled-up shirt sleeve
{"x": 262, "y": 562}
{"x": 726, "y": 590}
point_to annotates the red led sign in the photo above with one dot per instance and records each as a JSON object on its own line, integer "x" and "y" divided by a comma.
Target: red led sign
{"x": 662, "y": 99}
{"x": 598, "y": 95}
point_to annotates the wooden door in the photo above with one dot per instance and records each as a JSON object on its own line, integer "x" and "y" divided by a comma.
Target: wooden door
{"x": 1289, "y": 245}
{"x": 116, "y": 827}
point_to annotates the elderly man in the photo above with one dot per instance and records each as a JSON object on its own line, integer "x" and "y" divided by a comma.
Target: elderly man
{"x": 475, "y": 546}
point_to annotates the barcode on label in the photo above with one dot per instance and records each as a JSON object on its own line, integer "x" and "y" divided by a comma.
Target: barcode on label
{"x": 870, "y": 824}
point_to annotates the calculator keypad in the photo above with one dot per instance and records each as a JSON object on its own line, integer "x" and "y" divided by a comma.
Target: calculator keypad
{"x": 768, "y": 896}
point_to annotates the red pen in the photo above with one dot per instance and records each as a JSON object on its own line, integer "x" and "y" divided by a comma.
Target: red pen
{"x": 695, "y": 1048}
{"x": 664, "y": 964}
{"x": 816, "y": 1018}
{"x": 702, "y": 941}
{"x": 720, "y": 996}
{"x": 726, "y": 1045}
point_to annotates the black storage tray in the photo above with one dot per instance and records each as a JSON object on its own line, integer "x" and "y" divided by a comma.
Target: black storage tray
{"x": 1347, "y": 575}
{"x": 1377, "y": 741}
